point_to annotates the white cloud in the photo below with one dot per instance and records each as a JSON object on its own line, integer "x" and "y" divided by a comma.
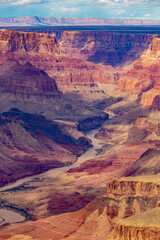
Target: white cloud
{"x": 20, "y": 2}
{"x": 126, "y": 2}
{"x": 23, "y": 2}
{"x": 147, "y": 15}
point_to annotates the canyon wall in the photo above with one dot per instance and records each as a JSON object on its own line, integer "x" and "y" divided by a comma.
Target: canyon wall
{"x": 68, "y": 72}
{"x": 148, "y": 124}
{"x": 104, "y": 47}
{"x": 144, "y": 77}
{"x": 138, "y": 186}
{"x": 143, "y": 226}
{"x": 67, "y": 56}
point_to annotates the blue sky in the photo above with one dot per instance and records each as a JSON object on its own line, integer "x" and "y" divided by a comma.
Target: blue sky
{"x": 147, "y": 9}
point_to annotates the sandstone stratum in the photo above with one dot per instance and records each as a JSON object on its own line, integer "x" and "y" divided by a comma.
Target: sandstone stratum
{"x": 80, "y": 131}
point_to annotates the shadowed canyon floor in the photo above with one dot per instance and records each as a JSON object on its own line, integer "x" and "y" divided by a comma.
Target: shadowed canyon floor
{"x": 55, "y": 90}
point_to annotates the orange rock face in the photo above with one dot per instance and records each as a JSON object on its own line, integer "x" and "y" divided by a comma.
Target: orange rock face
{"x": 28, "y": 42}
{"x": 149, "y": 125}
{"x": 144, "y": 77}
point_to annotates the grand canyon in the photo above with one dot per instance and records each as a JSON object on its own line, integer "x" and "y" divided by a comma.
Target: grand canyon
{"x": 79, "y": 133}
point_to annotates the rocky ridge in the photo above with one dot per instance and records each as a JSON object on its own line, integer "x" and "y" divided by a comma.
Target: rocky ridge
{"x": 32, "y": 144}
{"x": 62, "y": 21}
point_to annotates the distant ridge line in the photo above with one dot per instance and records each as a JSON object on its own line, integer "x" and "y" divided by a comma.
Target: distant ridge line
{"x": 71, "y": 21}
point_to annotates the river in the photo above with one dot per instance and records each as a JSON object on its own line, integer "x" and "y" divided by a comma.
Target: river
{"x": 10, "y": 216}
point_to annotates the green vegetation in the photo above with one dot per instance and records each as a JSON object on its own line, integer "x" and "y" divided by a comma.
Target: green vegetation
{"x": 103, "y": 149}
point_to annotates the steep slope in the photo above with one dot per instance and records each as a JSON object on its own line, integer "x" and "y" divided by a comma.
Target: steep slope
{"x": 144, "y": 224}
{"x": 26, "y": 81}
{"x": 42, "y": 51}
{"x": 28, "y": 42}
{"x": 32, "y": 144}
{"x": 31, "y": 90}
{"x": 104, "y": 47}
{"x": 144, "y": 76}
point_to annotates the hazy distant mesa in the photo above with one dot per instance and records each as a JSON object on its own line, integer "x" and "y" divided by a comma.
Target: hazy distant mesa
{"x": 71, "y": 21}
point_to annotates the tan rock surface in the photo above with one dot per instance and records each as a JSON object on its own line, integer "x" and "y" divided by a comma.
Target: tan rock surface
{"x": 145, "y": 226}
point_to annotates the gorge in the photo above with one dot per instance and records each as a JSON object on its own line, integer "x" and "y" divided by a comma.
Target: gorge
{"x": 80, "y": 134}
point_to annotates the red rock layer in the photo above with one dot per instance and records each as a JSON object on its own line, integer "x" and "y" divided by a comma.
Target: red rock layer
{"x": 42, "y": 51}
{"x": 118, "y": 161}
{"x": 26, "y": 81}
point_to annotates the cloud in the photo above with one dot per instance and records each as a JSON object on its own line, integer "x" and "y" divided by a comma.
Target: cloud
{"x": 147, "y": 15}
{"x": 125, "y": 2}
{"x": 20, "y": 2}
{"x": 23, "y": 2}
{"x": 81, "y": 8}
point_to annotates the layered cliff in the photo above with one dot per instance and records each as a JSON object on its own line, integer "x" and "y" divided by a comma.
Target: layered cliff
{"x": 104, "y": 47}
{"x": 31, "y": 90}
{"x": 150, "y": 125}
{"x": 143, "y": 226}
{"x": 144, "y": 77}
{"x": 139, "y": 186}
{"x": 42, "y": 51}
{"x": 28, "y": 42}
{"x": 31, "y": 143}
{"x": 65, "y": 59}
{"x": 26, "y": 81}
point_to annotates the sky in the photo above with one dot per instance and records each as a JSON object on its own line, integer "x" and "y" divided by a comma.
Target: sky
{"x": 146, "y": 9}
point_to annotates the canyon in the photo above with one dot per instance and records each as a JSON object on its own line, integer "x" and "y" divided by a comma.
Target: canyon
{"x": 80, "y": 131}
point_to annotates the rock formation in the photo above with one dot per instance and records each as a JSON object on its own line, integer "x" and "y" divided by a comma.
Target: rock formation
{"x": 32, "y": 144}
{"x": 28, "y": 42}
{"x": 144, "y": 77}
{"x": 104, "y": 47}
{"x": 43, "y": 51}
{"x": 145, "y": 223}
